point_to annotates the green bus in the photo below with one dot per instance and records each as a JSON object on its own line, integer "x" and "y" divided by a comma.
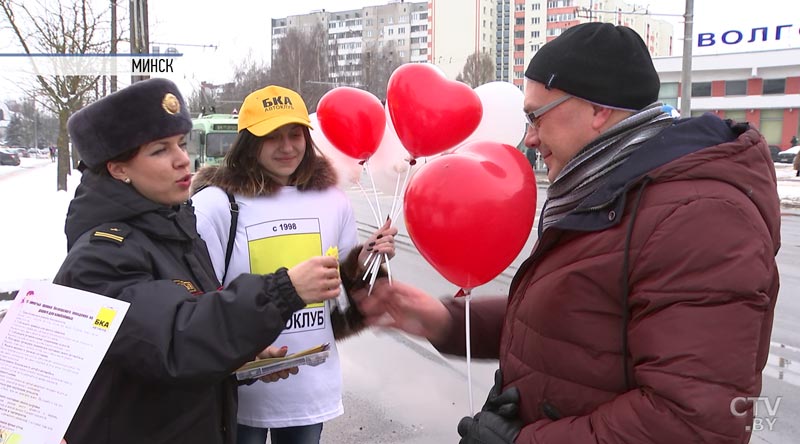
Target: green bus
{"x": 211, "y": 137}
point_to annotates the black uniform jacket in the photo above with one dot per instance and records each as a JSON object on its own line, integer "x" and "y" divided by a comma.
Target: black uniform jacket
{"x": 166, "y": 377}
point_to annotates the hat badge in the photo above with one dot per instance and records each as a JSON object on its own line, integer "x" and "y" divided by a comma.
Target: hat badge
{"x": 171, "y": 104}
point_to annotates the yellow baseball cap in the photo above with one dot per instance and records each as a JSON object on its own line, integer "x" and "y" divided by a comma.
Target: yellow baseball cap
{"x": 270, "y": 108}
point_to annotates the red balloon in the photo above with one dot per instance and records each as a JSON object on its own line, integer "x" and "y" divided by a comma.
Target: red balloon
{"x": 429, "y": 112}
{"x": 469, "y": 213}
{"x": 353, "y": 121}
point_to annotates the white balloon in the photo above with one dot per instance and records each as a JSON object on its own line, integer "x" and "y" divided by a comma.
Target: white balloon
{"x": 503, "y": 120}
{"x": 347, "y": 169}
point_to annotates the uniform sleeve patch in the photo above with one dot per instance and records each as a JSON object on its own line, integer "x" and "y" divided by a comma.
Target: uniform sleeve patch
{"x": 188, "y": 285}
{"x": 110, "y": 233}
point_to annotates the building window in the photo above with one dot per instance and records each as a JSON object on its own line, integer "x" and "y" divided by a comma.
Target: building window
{"x": 668, "y": 94}
{"x": 535, "y": 7}
{"x": 736, "y": 88}
{"x": 736, "y": 115}
{"x": 701, "y": 89}
{"x": 534, "y": 20}
{"x": 771, "y": 125}
{"x": 774, "y": 86}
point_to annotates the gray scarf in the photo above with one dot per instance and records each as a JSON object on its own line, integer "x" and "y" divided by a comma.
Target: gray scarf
{"x": 586, "y": 171}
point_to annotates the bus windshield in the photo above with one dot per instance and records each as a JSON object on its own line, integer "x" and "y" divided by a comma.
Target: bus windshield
{"x": 217, "y": 144}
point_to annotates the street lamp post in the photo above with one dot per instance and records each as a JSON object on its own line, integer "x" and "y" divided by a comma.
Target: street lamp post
{"x": 686, "y": 69}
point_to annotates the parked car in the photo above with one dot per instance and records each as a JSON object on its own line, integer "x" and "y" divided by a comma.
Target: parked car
{"x": 787, "y": 156}
{"x": 774, "y": 150}
{"x": 8, "y": 157}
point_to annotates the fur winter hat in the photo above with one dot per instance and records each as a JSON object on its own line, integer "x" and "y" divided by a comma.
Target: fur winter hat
{"x": 143, "y": 112}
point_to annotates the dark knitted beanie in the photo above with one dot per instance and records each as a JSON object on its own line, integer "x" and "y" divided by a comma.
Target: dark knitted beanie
{"x": 143, "y": 112}
{"x": 599, "y": 62}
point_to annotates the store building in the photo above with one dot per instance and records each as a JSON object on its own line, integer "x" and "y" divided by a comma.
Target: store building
{"x": 760, "y": 87}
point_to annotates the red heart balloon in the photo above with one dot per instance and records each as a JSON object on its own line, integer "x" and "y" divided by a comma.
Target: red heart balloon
{"x": 353, "y": 121}
{"x": 429, "y": 112}
{"x": 469, "y": 213}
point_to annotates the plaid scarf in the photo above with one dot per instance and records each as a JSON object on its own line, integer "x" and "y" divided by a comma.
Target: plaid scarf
{"x": 586, "y": 171}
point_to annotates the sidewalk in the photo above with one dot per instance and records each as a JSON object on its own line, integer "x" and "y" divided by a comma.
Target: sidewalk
{"x": 788, "y": 185}
{"x": 26, "y": 163}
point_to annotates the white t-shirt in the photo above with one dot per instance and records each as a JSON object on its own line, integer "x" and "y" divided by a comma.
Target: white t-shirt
{"x": 281, "y": 231}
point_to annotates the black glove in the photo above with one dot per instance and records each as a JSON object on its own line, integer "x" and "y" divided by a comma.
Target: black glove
{"x": 488, "y": 428}
{"x": 506, "y": 403}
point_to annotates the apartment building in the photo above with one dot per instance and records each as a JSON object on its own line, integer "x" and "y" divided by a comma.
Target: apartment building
{"x": 526, "y": 25}
{"x": 399, "y": 28}
{"x": 447, "y": 32}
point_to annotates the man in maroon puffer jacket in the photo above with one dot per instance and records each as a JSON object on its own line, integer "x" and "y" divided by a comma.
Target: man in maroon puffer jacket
{"x": 644, "y": 312}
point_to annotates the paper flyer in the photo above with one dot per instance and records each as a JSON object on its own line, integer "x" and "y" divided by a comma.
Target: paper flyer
{"x": 52, "y": 341}
{"x": 260, "y": 367}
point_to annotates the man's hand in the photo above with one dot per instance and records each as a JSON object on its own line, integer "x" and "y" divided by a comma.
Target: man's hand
{"x": 488, "y": 428}
{"x": 505, "y": 403}
{"x": 406, "y": 308}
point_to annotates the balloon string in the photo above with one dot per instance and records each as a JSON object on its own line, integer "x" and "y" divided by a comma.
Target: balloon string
{"x": 394, "y": 197}
{"x": 468, "y": 296}
{"x": 388, "y": 268}
{"x": 399, "y": 208}
{"x": 379, "y": 217}
{"x": 367, "y": 260}
{"x": 376, "y": 267}
{"x": 366, "y": 196}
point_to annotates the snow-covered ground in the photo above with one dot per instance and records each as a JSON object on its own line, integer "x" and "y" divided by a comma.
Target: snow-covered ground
{"x": 32, "y": 227}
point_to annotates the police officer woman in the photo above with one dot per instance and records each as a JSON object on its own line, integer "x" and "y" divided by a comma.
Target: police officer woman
{"x": 131, "y": 235}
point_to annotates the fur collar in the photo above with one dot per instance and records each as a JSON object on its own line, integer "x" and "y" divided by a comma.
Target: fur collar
{"x": 220, "y": 176}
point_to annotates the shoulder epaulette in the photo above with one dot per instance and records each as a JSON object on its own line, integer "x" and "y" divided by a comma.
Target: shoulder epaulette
{"x": 114, "y": 233}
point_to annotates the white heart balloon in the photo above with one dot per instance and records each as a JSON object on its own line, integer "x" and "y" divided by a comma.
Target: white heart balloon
{"x": 503, "y": 120}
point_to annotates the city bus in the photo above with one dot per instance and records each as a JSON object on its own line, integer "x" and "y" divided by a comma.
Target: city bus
{"x": 211, "y": 137}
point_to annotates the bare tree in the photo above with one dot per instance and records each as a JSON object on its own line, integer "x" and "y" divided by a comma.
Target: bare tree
{"x": 478, "y": 69}
{"x": 29, "y": 127}
{"x": 45, "y": 28}
{"x": 379, "y": 62}
{"x": 248, "y": 76}
{"x": 301, "y": 64}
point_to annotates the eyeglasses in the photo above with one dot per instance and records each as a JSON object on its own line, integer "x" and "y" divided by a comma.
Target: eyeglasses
{"x": 535, "y": 116}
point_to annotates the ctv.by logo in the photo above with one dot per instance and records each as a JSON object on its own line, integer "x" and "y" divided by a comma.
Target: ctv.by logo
{"x": 760, "y": 423}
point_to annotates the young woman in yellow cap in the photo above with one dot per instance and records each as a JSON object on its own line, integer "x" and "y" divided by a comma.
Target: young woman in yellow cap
{"x": 289, "y": 209}
{"x": 167, "y": 376}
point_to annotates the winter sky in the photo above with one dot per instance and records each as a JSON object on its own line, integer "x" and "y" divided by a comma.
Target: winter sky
{"x": 215, "y": 37}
